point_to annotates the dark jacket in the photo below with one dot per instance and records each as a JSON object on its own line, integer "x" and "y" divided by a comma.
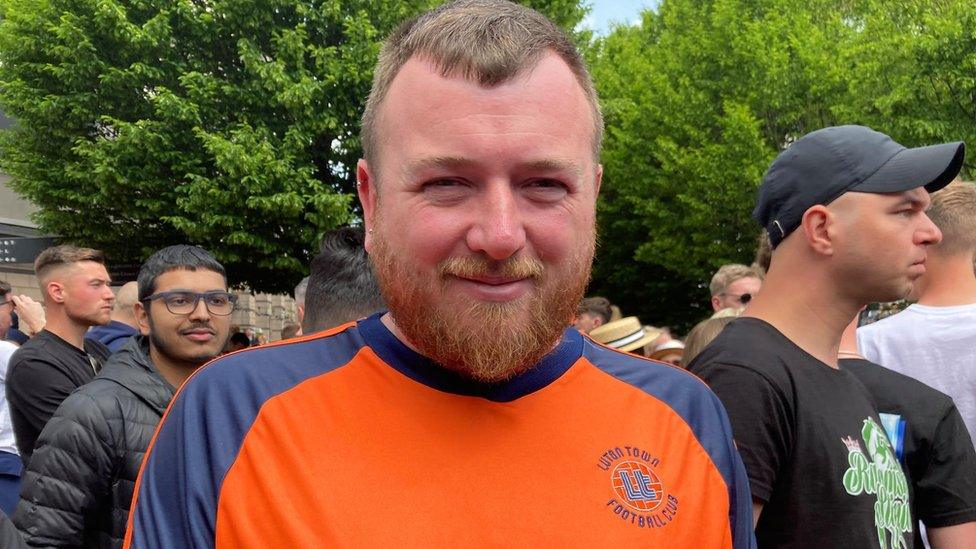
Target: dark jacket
{"x": 40, "y": 375}
{"x": 113, "y": 335}
{"x": 9, "y": 536}
{"x": 78, "y": 485}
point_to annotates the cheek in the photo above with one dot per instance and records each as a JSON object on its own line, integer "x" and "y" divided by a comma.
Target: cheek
{"x": 426, "y": 238}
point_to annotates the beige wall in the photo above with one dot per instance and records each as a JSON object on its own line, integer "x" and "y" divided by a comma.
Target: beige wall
{"x": 22, "y": 282}
{"x": 265, "y": 311}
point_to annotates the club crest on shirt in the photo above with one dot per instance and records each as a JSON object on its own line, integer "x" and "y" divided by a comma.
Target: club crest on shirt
{"x": 638, "y": 494}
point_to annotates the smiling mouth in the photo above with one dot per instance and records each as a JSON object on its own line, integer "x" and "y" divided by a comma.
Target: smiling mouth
{"x": 491, "y": 281}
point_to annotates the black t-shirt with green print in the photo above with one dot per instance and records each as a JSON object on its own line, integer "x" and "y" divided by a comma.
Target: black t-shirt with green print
{"x": 813, "y": 445}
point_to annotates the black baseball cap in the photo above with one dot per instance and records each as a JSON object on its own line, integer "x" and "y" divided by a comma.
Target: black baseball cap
{"x": 824, "y": 164}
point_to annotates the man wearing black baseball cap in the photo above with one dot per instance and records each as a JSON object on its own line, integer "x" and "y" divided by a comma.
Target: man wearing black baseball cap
{"x": 845, "y": 211}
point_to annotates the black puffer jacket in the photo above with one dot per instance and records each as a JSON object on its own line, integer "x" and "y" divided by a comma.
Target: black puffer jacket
{"x": 79, "y": 482}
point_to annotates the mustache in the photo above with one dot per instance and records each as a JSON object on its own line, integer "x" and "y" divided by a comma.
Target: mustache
{"x": 199, "y": 326}
{"x": 516, "y": 267}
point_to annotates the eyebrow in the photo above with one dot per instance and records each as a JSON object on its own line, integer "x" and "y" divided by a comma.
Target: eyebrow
{"x": 455, "y": 162}
{"x": 913, "y": 199}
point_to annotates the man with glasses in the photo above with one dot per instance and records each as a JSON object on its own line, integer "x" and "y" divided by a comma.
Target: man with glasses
{"x": 734, "y": 285}
{"x": 79, "y": 482}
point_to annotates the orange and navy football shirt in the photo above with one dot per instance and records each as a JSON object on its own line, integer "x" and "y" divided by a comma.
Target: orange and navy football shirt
{"x": 350, "y": 438}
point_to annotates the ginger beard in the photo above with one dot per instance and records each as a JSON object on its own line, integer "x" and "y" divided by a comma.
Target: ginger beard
{"x": 484, "y": 341}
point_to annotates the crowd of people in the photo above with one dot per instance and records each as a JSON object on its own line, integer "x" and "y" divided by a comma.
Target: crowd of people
{"x": 447, "y": 383}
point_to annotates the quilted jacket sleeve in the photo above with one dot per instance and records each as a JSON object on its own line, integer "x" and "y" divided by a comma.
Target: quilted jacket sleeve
{"x": 68, "y": 474}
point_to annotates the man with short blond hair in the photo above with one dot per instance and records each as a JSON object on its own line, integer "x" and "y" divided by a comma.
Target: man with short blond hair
{"x": 733, "y": 285}
{"x": 58, "y": 359}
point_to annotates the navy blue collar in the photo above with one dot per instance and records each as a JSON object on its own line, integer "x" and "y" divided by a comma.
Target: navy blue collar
{"x": 424, "y": 370}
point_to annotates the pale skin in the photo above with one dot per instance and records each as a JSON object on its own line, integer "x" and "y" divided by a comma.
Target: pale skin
{"x": 732, "y": 295}
{"x": 30, "y": 312}
{"x": 501, "y": 172}
{"x": 807, "y": 294}
{"x": 76, "y": 297}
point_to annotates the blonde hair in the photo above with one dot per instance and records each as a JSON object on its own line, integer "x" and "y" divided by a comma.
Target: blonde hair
{"x": 953, "y": 211}
{"x": 727, "y": 274}
{"x": 702, "y": 334}
{"x": 488, "y": 41}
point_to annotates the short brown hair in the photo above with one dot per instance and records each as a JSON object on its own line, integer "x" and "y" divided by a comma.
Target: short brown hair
{"x": 4, "y": 288}
{"x": 953, "y": 211}
{"x": 489, "y": 41}
{"x": 727, "y": 274}
{"x": 599, "y": 306}
{"x": 62, "y": 255}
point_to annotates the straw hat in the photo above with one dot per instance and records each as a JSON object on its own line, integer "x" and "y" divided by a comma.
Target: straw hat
{"x": 667, "y": 348}
{"x": 625, "y": 334}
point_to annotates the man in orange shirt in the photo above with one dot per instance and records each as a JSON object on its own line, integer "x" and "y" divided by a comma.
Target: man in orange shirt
{"x": 471, "y": 413}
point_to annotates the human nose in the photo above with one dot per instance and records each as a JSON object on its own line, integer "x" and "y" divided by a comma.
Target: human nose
{"x": 498, "y": 231}
{"x": 200, "y": 310}
{"x": 929, "y": 234}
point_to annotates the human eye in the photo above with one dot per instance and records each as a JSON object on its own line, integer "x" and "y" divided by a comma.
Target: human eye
{"x": 218, "y": 300}
{"x": 179, "y": 299}
{"x": 546, "y": 189}
{"x": 446, "y": 191}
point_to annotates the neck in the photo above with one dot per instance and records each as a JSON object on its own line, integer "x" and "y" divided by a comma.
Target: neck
{"x": 949, "y": 281}
{"x": 59, "y": 324}
{"x": 804, "y": 308}
{"x": 848, "y": 341}
{"x": 173, "y": 371}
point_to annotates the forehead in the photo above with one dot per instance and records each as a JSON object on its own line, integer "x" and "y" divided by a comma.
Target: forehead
{"x": 200, "y": 280}
{"x": 918, "y": 197}
{"x": 81, "y": 270}
{"x": 428, "y": 113}
{"x": 745, "y": 283}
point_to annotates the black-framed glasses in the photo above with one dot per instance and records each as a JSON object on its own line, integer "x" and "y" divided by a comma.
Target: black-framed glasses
{"x": 11, "y": 302}
{"x": 183, "y": 303}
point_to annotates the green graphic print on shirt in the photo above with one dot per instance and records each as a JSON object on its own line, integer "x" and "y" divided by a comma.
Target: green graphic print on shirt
{"x": 879, "y": 473}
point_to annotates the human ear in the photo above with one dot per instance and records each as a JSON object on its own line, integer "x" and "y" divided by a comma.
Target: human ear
{"x": 142, "y": 318}
{"x": 817, "y": 225}
{"x": 366, "y": 186}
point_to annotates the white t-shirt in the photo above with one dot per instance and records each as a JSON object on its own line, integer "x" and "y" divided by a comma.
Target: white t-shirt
{"x": 935, "y": 345}
{"x": 7, "y": 441}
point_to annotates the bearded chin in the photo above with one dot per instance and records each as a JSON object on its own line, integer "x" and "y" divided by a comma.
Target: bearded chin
{"x": 484, "y": 341}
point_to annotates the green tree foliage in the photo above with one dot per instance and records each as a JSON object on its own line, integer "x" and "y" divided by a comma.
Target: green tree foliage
{"x": 232, "y": 124}
{"x": 703, "y": 94}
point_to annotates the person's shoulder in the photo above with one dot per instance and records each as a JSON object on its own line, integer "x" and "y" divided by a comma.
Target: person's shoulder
{"x": 890, "y": 383}
{"x": 675, "y": 386}
{"x": 36, "y": 354}
{"x": 94, "y": 402}
{"x": 747, "y": 345}
{"x": 281, "y": 364}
